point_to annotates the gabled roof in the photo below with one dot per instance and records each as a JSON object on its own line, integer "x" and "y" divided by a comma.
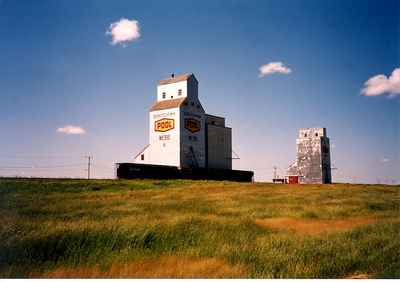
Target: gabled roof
{"x": 167, "y": 104}
{"x": 177, "y": 78}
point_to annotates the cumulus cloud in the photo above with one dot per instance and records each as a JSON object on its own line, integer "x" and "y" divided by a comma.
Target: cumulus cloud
{"x": 71, "y": 129}
{"x": 384, "y": 160}
{"x": 381, "y": 84}
{"x": 123, "y": 31}
{"x": 273, "y": 67}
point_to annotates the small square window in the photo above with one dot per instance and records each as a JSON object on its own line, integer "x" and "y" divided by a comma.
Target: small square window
{"x": 316, "y": 134}
{"x": 179, "y": 92}
{"x": 163, "y": 95}
{"x": 172, "y": 97}
{"x": 142, "y": 157}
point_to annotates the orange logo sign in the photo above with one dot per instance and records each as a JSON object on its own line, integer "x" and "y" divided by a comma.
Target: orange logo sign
{"x": 193, "y": 125}
{"x": 164, "y": 124}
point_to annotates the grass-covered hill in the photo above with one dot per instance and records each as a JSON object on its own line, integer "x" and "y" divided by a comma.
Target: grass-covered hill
{"x": 207, "y": 229}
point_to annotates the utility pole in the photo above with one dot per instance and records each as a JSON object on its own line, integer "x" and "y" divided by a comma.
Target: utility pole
{"x": 88, "y": 166}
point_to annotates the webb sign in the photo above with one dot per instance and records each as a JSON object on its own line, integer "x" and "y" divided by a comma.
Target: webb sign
{"x": 164, "y": 124}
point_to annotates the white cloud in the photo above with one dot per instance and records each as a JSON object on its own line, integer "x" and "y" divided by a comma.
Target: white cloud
{"x": 384, "y": 160}
{"x": 273, "y": 67}
{"x": 71, "y": 129}
{"x": 381, "y": 84}
{"x": 124, "y": 31}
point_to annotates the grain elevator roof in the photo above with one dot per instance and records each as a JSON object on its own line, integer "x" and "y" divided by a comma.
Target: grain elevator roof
{"x": 167, "y": 104}
{"x": 176, "y": 78}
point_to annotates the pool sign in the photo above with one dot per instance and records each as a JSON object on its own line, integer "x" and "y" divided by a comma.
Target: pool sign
{"x": 193, "y": 125}
{"x": 164, "y": 124}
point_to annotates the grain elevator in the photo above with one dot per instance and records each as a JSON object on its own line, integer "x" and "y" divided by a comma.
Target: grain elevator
{"x": 184, "y": 138}
{"x": 313, "y": 161}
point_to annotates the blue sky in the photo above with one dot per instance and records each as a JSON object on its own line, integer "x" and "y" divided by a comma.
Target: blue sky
{"x": 58, "y": 67}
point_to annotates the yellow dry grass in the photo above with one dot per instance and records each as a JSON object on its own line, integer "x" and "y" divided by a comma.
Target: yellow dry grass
{"x": 163, "y": 267}
{"x": 314, "y": 226}
{"x": 116, "y": 229}
{"x": 359, "y": 276}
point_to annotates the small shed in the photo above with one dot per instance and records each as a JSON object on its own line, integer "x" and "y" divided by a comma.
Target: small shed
{"x": 293, "y": 179}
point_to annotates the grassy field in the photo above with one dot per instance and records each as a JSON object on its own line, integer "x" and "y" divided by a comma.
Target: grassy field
{"x": 207, "y": 229}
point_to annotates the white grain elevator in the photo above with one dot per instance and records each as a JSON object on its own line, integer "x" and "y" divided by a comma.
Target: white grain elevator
{"x": 181, "y": 134}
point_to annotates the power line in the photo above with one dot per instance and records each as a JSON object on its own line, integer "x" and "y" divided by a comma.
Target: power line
{"x": 41, "y": 167}
{"x": 33, "y": 165}
{"x": 88, "y": 166}
{"x": 9, "y": 156}
{"x": 101, "y": 166}
{"x": 22, "y": 163}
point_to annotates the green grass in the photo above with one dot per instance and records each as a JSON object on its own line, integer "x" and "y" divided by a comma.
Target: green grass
{"x": 46, "y": 225}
